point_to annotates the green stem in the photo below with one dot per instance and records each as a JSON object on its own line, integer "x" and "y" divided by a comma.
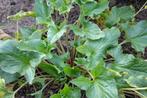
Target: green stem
{"x": 46, "y": 85}
{"x": 134, "y": 89}
{"x": 19, "y": 89}
{"x": 141, "y": 9}
{"x": 115, "y": 72}
{"x": 92, "y": 77}
{"x": 62, "y": 48}
{"x": 135, "y": 92}
{"x": 123, "y": 42}
{"x": 66, "y": 35}
{"x": 59, "y": 51}
{"x": 17, "y": 31}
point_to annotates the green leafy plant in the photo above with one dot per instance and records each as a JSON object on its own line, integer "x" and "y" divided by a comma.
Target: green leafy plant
{"x": 75, "y": 54}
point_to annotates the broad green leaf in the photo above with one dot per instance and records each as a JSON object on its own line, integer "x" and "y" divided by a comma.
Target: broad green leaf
{"x": 89, "y": 30}
{"x": 121, "y": 13}
{"x": 113, "y": 18}
{"x": 31, "y": 41}
{"x": 137, "y": 80}
{"x": 82, "y": 82}
{"x": 121, "y": 83}
{"x": 94, "y": 8}
{"x": 119, "y": 57}
{"x": 126, "y": 15}
{"x": 137, "y": 73}
{"x": 8, "y": 77}
{"x": 81, "y": 61}
{"x": 134, "y": 73}
{"x": 12, "y": 60}
{"x": 59, "y": 60}
{"x": 55, "y": 34}
{"x": 91, "y": 47}
{"x": 95, "y": 49}
{"x": 35, "y": 45}
{"x": 50, "y": 69}
{"x": 35, "y": 35}
{"x": 41, "y": 8}
{"x": 102, "y": 89}
{"x": 136, "y": 34}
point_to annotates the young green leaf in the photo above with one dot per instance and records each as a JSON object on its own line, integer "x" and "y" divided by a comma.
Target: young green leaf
{"x": 55, "y": 34}
{"x": 35, "y": 45}
{"x": 95, "y": 49}
{"x": 123, "y": 13}
{"x": 134, "y": 73}
{"x": 119, "y": 57}
{"x": 94, "y": 8}
{"x": 72, "y": 71}
{"x": 88, "y": 30}
{"x": 39, "y": 94}
{"x": 68, "y": 92}
{"x": 82, "y": 82}
{"x": 50, "y": 69}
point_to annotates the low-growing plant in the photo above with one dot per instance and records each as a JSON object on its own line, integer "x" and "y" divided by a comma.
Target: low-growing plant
{"x": 85, "y": 55}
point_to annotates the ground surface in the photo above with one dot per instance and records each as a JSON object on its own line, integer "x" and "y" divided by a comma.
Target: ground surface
{"x": 10, "y": 7}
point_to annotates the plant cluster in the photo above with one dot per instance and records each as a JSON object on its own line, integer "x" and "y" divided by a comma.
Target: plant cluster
{"x": 83, "y": 56}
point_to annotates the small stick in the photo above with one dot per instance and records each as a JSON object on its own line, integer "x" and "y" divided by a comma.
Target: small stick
{"x": 141, "y": 9}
